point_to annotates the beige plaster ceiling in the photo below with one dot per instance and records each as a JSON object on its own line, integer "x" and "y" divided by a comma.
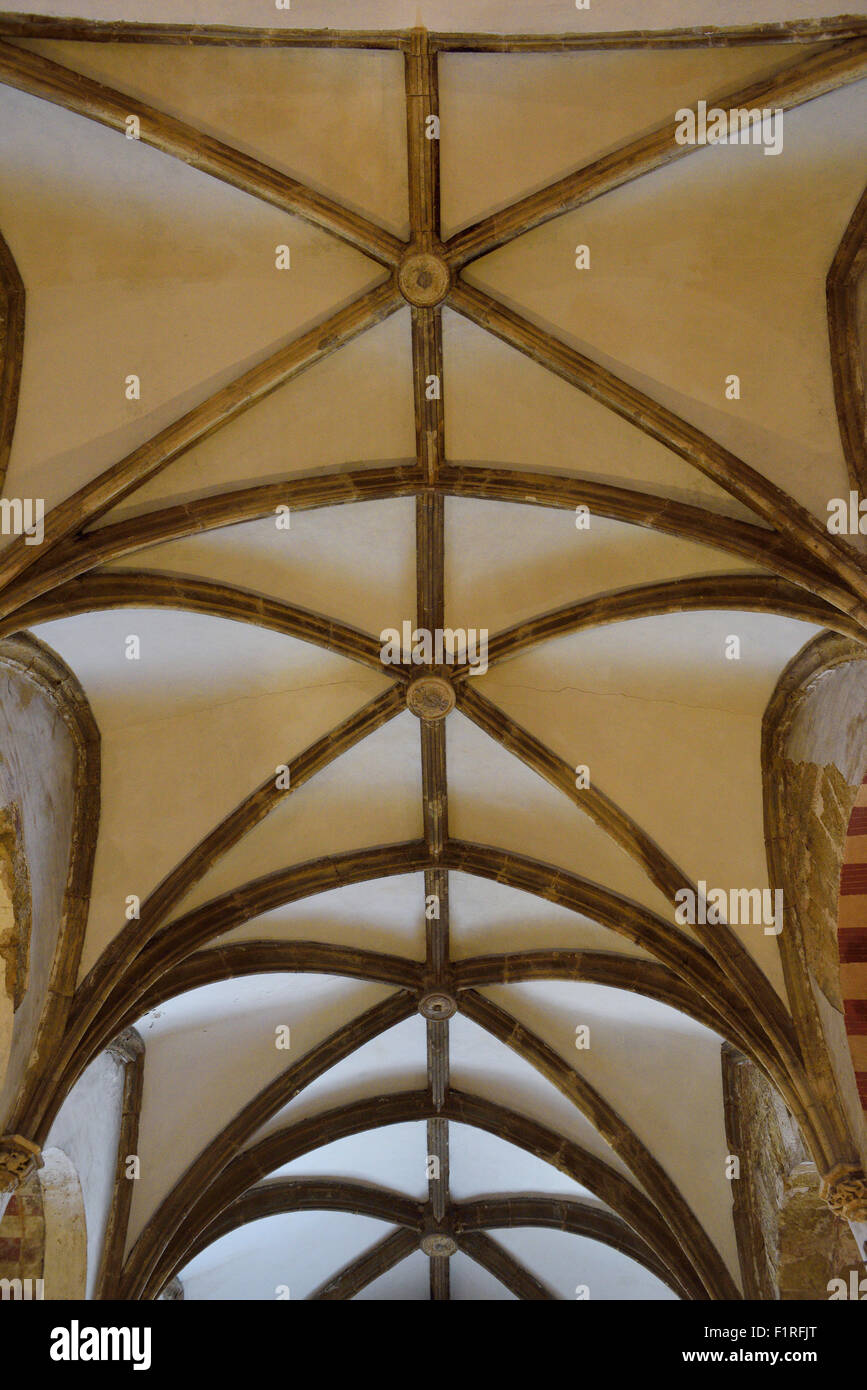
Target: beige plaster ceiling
{"x": 134, "y": 263}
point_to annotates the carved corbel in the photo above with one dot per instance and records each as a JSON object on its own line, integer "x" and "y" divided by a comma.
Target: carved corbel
{"x": 845, "y": 1191}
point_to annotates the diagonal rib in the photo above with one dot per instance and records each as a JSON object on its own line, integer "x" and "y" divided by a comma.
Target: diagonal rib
{"x": 788, "y": 87}
{"x": 765, "y": 498}
{"x": 40, "y": 77}
{"x": 203, "y": 420}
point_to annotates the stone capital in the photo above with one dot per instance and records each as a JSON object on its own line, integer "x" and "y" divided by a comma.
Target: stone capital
{"x": 19, "y": 1157}
{"x": 845, "y": 1191}
{"x": 128, "y": 1046}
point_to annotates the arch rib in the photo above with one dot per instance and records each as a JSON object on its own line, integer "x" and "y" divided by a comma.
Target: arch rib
{"x": 741, "y": 592}
{"x": 720, "y": 942}
{"x": 118, "y": 588}
{"x": 286, "y": 1145}
{"x": 571, "y": 1214}
{"x": 82, "y": 1041}
{"x": 702, "y": 1253}
{"x": 24, "y": 578}
{"x": 243, "y": 958}
{"x": 204, "y": 1173}
{"x": 12, "y": 306}
{"x": 87, "y": 550}
{"x": 847, "y": 343}
{"x": 786, "y": 516}
{"x": 507, "y": 1211}
{"x": 608, "y": 968}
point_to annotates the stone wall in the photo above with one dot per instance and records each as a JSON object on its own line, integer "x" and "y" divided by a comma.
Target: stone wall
{"x": 814, "y": 757}
{"x": 38, "y": 768}
{"x": 22, "y": 1233}
{"x": 789, "y": 1243}
{"x": 815, "y": 860}
{"x": 65, "y": 1261}
{"x": 814, "y": 1245}
{"x": 87, "y": 1130}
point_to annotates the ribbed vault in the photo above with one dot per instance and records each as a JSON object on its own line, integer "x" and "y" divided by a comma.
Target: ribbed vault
{"x": 232, "y": 903}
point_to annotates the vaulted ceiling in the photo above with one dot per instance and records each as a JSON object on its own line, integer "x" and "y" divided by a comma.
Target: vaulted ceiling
{"x": 414, "y": 1036}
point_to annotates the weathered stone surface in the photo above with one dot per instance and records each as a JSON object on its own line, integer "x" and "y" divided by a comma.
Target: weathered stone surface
{"x": 22, "y": 1232}
{"x": 814, "y": 757}
{"x": 38, "y": 775}
{"x": 15, "y": 913}
{"x": 844, "y": 1190}
{"x": 814, "y": 1245}
{"x": 815, "y": 860}
{"x": 19, "y": 1158}
{"x": 763, "y": 1136}
{"x": 790, "y": 1242}
{"x": 65, "y": 1264}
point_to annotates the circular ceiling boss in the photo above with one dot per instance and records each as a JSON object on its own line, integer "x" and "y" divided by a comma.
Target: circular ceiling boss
{"x": 423, "y": 279}
{"x": 430, "y": 697}
{"x": 438, "y": 1243}
{"x": 437, "y": 1005}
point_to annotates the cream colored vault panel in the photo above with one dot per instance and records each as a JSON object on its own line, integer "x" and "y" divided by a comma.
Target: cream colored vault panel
{"x": 423, "y": 845}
